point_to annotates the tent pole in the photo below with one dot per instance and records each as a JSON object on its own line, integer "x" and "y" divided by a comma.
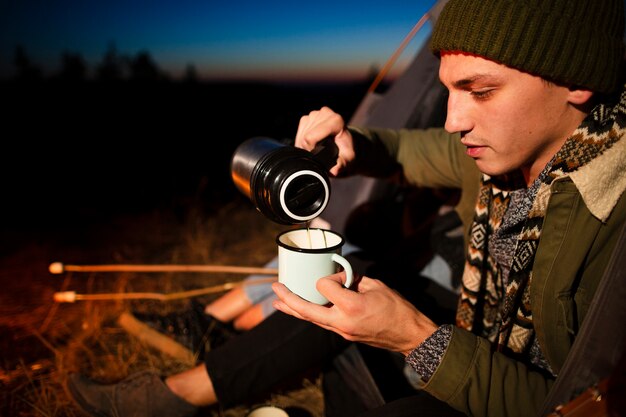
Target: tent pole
{"x": 383, "y": 72}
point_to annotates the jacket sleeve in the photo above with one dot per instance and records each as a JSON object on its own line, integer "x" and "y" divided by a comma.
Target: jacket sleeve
{"x": 428, "y": 158}
{"x": 476, "y": 380}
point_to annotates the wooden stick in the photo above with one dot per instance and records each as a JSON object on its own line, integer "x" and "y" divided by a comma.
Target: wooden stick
{"x": 59, "y": 268}
{"x": 72, "y": 296}
{"x": 155, "y": 339}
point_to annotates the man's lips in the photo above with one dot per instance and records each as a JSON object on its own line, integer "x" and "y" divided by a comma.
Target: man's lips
{"x": 473, "y": 150}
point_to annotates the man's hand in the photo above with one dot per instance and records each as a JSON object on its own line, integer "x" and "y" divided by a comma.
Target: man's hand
{"x": 373, "y": 314}
{"x": 321, "y": 124}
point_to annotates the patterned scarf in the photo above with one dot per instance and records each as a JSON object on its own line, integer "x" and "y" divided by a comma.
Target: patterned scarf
{"x": 487, "y": 306}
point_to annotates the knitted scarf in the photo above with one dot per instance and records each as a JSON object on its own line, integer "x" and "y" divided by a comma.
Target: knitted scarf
{"x": 487, "y": 306}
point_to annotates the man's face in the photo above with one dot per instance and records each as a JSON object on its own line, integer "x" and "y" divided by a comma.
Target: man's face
{"x": 508, "y": 119}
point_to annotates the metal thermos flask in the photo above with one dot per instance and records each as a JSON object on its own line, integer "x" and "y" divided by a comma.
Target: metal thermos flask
{"x": 288, "y": 185}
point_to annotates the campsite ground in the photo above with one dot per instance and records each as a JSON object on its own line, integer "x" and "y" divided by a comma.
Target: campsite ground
{"x": 125, "y": 173}
{"x": 43, "y": 341}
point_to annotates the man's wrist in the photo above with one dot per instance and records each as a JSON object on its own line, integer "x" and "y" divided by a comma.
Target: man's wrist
{"x": 425, "y": 358}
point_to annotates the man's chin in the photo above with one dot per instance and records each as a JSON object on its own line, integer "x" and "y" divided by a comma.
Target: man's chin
{"x": 491, "y": 170}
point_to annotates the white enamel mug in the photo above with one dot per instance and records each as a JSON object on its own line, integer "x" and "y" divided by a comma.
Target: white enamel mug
{"x": 267, "y": 411}
{"x": 306, "y": 255}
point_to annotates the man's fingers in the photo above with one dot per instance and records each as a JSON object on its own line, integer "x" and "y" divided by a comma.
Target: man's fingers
{"x": 297, "y": 306}
{"x": 316, "y": 126}
{"x": 332, "y": 287}
{"x": 281, "y": 306}
{"x": 339, "y": 277}
{"x": 284, "y": 306}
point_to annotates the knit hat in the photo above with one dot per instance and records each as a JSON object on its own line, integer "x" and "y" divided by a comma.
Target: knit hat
{"x": 575, "y": 42}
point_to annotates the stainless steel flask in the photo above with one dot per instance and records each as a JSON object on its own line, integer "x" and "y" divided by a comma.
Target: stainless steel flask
{"x": 288, "y": 185}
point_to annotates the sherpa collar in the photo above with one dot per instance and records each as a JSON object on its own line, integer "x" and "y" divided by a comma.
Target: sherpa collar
{"x": 602, "y": 181}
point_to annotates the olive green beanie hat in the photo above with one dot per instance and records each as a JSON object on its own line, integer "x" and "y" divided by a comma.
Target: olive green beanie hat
{"x": 574, "y": 42}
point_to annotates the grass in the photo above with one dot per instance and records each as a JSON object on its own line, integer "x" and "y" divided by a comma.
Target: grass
{"x": 84, "y": 337}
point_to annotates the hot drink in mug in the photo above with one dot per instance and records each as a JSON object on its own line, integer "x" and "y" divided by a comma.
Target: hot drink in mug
{"x": 306, "y": 255}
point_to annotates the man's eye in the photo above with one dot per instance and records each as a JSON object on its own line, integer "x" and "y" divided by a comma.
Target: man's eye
{"x": 481, "y": 94}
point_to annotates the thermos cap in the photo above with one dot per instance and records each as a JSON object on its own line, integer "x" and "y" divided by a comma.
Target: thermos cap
{"x": 287, "y": 184}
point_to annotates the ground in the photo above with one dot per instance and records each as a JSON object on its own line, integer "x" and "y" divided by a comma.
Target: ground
{"x": 42, "y": 341}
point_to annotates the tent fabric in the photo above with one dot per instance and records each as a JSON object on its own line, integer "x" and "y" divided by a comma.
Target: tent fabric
{"x": 415, "y": 100}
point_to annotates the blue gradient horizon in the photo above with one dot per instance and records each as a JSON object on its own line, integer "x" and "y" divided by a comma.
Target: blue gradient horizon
{"x": 221, "y": 40}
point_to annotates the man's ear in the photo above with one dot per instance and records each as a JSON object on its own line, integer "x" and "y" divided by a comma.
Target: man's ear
{"x": 579, "y": 96}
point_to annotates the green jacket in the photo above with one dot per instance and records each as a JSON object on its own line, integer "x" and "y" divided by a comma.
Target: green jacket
{"x": 584, "y": 216}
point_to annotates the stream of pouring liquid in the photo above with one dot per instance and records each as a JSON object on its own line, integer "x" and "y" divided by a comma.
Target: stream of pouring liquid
{"x": 308, "y": 233}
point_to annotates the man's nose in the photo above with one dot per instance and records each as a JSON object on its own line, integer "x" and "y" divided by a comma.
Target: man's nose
{"x": 457, "y": 119}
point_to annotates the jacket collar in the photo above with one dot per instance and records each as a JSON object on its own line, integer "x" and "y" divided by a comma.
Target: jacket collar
{"x": 602, "y": 181}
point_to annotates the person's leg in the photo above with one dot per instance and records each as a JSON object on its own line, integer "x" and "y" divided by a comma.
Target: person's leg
{"x": 280, "y": 348}
{"x": 421, "y": 404}
{"x": 239, "y": 300}
{"x": 277, "y": 350}
{"x": 200, "y": 328}
{"x": 283, "y": 347}
{"x": 255, "y": 314}
{"x": 191, "y": 327}
{"x": 249, "y": 318}
{"x": 229, "y": 306}
{"x": 194, "y": 386}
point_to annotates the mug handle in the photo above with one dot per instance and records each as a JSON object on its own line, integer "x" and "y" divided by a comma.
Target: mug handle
{"x": 346, "y": 267}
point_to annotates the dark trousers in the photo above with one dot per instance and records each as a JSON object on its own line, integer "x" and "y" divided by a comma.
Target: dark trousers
{"x": 283, "y": 347}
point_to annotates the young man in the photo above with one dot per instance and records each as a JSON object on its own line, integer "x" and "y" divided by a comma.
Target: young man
{"x": 534, "y": 138}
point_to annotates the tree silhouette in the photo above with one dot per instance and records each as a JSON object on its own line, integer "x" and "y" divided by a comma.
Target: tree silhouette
{"x": 112, "y": 67}
{"x": 191, "y": 75}
{"x": 25, "y": 69}
{"x": 73, "y": 68}
{"x": 144, "y": 69}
